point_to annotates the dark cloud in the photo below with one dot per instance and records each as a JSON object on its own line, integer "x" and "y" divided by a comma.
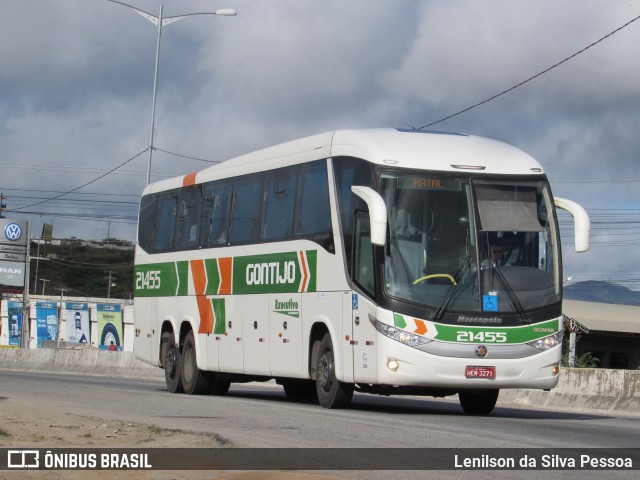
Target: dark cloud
{"x": 77, "y": 76}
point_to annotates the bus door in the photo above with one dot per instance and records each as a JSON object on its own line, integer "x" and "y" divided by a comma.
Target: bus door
{"x": 285, "y": 319}
{"x": 363, "y": 307}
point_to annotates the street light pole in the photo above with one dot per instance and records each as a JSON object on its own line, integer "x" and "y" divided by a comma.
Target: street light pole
{"x": 153, "y": 102}
{"x": 159, "y": 21}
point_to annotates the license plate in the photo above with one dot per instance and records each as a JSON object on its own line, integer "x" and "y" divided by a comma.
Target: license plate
{"x": 480, "y": 372}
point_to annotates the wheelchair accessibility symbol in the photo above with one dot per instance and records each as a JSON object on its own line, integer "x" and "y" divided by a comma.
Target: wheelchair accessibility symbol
{"x": 490, "y": 302}
{"x": 13, "y": 231}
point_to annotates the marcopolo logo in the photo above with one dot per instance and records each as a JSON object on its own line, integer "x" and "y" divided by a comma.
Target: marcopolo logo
{"x": 12, "y": 231}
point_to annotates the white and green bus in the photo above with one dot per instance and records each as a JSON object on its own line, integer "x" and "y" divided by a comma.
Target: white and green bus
{"x": 392, "y": 262}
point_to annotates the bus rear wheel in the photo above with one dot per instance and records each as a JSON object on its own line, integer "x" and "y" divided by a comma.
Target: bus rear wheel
{"x": 218, "y": 385}
{"x": 478, "y": 402}
{"x": 172, "y": 363}
{"x": 194, "y": 381}
{"x": 332, "y": 393}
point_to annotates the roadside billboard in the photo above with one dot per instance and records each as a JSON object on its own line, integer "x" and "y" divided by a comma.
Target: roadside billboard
{"x": 14, "y": 311}
{"x": 13, "y": 252}
{"x": 46, "y": 321}
{"x": 110, "y": 325}
{"x": 77, "y": 317}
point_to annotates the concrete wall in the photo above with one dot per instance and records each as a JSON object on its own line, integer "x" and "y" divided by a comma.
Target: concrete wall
{"x": 585, "y": 389}
{"x": 579, "y": 389}
{"x": 82, "y": 360}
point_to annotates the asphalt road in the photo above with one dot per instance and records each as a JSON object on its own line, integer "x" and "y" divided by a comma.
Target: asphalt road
{"x": 259, "y": 415}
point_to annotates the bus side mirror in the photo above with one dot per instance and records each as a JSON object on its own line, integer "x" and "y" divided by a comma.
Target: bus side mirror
{"x": 377, "y": 213}
{"x": 582, "y": 225}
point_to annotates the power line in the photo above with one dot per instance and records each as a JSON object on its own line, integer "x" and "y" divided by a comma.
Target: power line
{"x": 504, "y": 92}
{"x": 186, "y": 156}
{"x": 85, "y": 184}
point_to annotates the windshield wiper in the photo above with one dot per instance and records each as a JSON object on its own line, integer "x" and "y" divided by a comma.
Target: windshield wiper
{"x": 438, "y": 312}
{"x": 511, "y": 296}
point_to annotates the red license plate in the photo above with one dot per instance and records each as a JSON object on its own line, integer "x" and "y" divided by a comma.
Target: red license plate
{"x": 480, "y": 372}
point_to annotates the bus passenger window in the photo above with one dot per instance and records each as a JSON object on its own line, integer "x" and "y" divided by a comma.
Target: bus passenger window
{"x": 147, "y": 222}
{"x": 279, "y": 205}
{"x": 313, "y": 217}
{"x": 215, "y": 221}
{"x": 247, "y": 207}
{"x": 166, "y": 225}
{"x": 190, "y": 205}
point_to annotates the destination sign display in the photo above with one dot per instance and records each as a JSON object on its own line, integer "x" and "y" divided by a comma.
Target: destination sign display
{"x": 424, "y": 182}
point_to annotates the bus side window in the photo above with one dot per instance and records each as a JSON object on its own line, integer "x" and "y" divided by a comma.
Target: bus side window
{"x": 349, "y": 171}
{"x": 147, "y": 223}
{"x": 215, "y": 213}
{"x": 313, "y": 216}
{"x": 166, "y": 223}
{"x": 280, "y": 195}
{"x": 189, "y": 207}
{"x": 247, "y": 209}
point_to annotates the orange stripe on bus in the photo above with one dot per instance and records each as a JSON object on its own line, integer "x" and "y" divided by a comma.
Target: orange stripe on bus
{"x": 305, "y": 273}
{"x": 189, "y": 179}
{"x": 199, "y": 275}
{"x": 226, "y": 268}
{"x": 205, "y": 309}
{"x": 207, "y": 320}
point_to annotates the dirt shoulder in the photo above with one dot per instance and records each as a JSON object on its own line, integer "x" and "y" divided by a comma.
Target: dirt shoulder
{"x": 29, "y": 426}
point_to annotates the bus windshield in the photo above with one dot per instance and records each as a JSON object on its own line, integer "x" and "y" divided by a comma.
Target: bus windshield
{"x": 464, "y": 244}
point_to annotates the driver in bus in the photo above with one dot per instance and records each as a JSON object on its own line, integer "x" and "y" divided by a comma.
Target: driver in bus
{"x": 496, "y": 257}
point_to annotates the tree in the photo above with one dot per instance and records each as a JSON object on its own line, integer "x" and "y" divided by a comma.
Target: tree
{"x": 586, "y": 360}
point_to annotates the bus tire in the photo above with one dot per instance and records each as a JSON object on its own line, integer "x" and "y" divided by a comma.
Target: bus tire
{"x": 331, "y": 392}
{"x": 478, "y": 402}
{"x": 300, "y": 389}
{"x": 172, "y": 363}
{"x": 218, "y": 386}
{"x": 194, "y": 381}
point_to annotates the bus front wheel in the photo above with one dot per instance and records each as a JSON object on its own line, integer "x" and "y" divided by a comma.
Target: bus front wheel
{"x": 194, "y": 381}
{"x": 478, "y": 402}
{"x": 172, "y": 363}
{"x": 331, "y": 392}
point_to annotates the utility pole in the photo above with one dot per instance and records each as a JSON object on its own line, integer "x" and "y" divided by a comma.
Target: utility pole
{"x": 44, "y": 282}
{"x": 110, "y": 273}
{"x": 60, "y": 317}
{"x": 3, "y": 205}
{"x": 26, "y": 327}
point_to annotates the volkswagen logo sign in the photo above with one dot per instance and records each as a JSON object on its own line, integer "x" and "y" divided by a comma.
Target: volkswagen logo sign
{"x": 481, "y": 351}
{"x": 13, "y": 232}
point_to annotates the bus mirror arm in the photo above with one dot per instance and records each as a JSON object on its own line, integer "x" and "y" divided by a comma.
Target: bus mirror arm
{"x": 581, "y": 221}
{"x": 377, "y": 213}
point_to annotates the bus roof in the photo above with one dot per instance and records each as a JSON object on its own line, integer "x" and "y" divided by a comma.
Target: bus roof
{"x": 415, "y": 149}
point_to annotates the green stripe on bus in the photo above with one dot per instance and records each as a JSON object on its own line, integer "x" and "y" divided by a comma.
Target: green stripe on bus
{"x": 524, "y": 334}
{"x": 288, "y": 272}
{"x": 213, "y": 276}
{"x": 219, "y": 315}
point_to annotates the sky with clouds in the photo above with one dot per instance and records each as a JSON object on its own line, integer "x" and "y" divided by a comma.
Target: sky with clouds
{"x": 76, "y": 87}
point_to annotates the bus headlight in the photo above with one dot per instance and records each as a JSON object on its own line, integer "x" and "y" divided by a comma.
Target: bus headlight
{"x": 547, "y": 342}
{"x": 401, "y": 336}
